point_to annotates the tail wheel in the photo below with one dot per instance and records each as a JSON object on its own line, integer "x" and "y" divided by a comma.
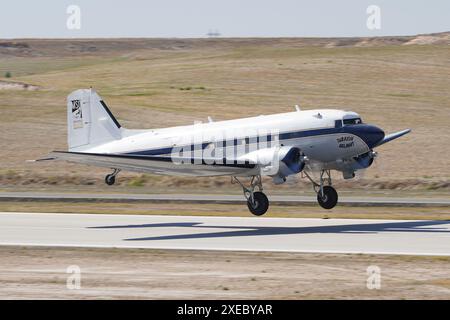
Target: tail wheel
{"x": 259, "y": 205}
{"x": 329, "y": 198}
{"x": 110, "y": 179}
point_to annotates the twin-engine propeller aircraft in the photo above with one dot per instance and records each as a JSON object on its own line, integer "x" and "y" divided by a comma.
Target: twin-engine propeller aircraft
{"x": 278, "y": 145}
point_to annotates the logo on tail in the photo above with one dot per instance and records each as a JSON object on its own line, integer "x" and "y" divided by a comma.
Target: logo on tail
{"x": 77, "y": 114}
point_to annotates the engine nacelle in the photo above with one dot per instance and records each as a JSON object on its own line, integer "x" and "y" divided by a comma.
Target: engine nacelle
{"x": 363, "y": 161}
{"x": 360, "y": 162}
{"x": 278, "y": 162}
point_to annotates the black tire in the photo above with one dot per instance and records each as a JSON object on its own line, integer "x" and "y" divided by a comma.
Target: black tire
{"x": 330, "y": 198}
{"x": 110, "y": 179}
{"x": 260, "y": 205}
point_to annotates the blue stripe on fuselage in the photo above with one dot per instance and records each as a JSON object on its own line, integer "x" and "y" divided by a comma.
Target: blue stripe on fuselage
{"x": 371, "y": 135}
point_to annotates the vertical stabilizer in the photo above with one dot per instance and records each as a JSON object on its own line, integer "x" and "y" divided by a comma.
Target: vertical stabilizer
{"x": 89, "y": 121}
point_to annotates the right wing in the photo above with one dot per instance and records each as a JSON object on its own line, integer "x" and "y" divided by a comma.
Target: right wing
{"x": 157, "y": 164}
{"x": 393, "y": 136}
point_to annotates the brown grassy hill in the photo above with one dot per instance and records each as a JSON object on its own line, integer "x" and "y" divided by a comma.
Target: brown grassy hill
{"x": 394, "y": 82}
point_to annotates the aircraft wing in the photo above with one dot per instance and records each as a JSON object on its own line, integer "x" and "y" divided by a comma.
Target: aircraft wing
{"x": 393, "y": 136}
{"x": 156, "y": 164}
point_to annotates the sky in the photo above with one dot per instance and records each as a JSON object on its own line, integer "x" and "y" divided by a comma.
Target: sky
{"x": 232, "y": 18}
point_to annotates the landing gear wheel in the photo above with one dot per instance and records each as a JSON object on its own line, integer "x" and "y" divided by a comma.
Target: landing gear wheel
{"x": 110, "y": 179}
{"x": 259, "y": 205}
{"x": 329, "y": 198}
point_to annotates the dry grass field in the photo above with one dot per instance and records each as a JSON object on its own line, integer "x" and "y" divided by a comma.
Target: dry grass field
{"x": 394, "y": 82}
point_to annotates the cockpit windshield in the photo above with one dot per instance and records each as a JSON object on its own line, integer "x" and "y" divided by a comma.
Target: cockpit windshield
{"x": 352, "y": 121}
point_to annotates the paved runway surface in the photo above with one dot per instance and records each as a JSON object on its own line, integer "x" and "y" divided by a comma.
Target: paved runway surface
{"x": 227, "y": 233}
{"x": 201, "y": 198}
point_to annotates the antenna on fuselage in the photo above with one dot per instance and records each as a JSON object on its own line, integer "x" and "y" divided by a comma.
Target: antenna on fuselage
{"x": 297, "y": 108}
{"x": 210, "y": 119}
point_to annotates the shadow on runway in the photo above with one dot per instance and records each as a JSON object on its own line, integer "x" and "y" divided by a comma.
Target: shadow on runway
{"x": 406, "y": 226}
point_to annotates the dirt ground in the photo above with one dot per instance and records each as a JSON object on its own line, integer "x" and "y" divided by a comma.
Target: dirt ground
{"x": 41, "y": 273}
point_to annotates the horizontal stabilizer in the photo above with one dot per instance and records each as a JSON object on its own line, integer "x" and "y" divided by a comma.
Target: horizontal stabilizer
{"x": 42, "y": 159}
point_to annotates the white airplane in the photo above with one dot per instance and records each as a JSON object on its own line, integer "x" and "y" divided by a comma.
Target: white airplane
{"x": 278, "y": 145}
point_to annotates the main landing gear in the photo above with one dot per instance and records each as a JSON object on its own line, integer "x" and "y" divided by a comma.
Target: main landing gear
{"x": 257, "y": 201}
{"x": 110, "y": 179}
{"x": 327, "y": 196}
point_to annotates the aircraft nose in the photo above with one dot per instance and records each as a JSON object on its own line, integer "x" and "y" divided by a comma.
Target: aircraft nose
{"x": 371, "y": 135}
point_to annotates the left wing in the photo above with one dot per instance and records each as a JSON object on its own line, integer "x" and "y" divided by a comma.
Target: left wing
{"x": 158, "y": 164}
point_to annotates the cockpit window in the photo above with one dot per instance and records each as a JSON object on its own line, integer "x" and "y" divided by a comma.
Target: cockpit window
{"x": 338, "y": 123}
{"x": 352, "y": 121}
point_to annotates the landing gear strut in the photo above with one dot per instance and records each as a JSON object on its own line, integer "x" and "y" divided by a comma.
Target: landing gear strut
{"x": 257, "y": 202}
{"x": 327, "y": 196}
{"x": 110, "y": 179}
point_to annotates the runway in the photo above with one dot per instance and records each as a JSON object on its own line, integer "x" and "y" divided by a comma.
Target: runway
{"x": 227, "y": 233}
{"x": 218, "y": 198}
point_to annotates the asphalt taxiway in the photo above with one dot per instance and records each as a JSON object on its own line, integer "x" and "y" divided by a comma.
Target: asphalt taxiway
{"x": 218, "y": 198}
{"x": 227, "y": 233}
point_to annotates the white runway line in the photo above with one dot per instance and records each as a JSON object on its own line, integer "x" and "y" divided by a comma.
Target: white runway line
{"x": 227, "y": 233}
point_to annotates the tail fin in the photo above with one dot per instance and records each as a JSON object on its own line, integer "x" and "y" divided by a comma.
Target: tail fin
{"x": 89, "y": 121}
